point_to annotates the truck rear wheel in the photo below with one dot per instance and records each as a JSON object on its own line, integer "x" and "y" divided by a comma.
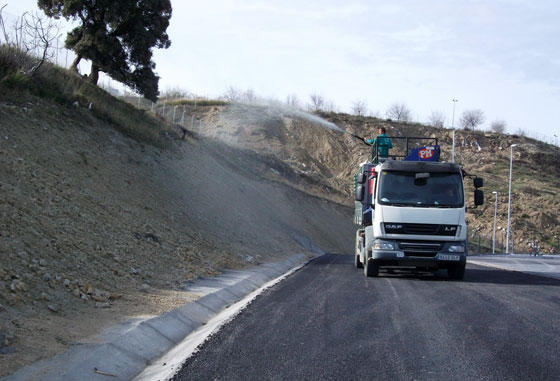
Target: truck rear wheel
{"x": 456, "y": 272}
{"x": 371, "y": 268}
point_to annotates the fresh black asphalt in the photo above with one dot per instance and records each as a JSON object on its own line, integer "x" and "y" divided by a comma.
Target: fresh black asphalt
{"x": 328, "y": 321}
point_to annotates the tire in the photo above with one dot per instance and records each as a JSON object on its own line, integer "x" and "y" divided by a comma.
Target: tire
{"x": 357, "y": 262}
{"x": 456, "y": 272}
{"x": 371, "y": 268}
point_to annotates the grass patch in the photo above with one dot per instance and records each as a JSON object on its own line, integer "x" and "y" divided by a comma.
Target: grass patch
{"x": 197, "y": 102}
{"x": 68, "y": 88}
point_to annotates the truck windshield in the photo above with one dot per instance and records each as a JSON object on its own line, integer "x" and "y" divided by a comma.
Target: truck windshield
{"x": 438, "y": 189}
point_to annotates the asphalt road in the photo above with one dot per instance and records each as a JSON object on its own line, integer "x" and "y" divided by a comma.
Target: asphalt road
{"x": 328, "y": 321}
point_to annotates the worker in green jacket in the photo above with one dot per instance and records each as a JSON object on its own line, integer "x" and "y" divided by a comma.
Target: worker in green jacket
{"x": 383, "y": 142}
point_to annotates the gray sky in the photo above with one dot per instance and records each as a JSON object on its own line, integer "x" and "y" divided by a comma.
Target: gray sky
{"x": 500, "y": 56}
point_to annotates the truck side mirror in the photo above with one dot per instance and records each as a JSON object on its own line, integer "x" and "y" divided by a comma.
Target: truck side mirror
{"x": 359, "y": 193}
{"x": 478, "y": 197}
{"x": 361, "y": 178}
{"x": 478, "y": 182}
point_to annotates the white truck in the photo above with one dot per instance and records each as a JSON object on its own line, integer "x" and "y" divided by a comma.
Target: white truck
{"x": 411, "y": 213}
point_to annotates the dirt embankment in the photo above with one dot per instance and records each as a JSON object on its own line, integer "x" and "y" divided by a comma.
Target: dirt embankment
{"x": 96, "y": 227}
{"x": 322, "y": 161}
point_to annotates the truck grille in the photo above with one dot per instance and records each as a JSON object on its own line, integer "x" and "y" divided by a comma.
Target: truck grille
{"x": 420, "y": 229}
{"x": 423, "y": 247}
{"x": 427, "y": 229}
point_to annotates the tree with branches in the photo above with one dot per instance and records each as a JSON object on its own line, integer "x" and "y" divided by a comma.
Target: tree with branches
{"x": 359, "y": 108}
{"x": 249, "y": 96}
{"x": 117, "y": 37}
{"x": 317, "y": 102}
{"x": 399, "y": 112}
{"x": 293, "y": 101}
{"x": 330, "y": 106}
{"x": 33, "y": 34}
{"x": 233, "y": 94}
{"x": 437, "y": 119}
{"x": 498, "y": 126}
{"x": 472, "y": 119}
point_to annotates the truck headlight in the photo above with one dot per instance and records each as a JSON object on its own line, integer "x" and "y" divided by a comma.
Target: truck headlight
{"x": 383, "y": 245}
{"x": 456, "y": 249}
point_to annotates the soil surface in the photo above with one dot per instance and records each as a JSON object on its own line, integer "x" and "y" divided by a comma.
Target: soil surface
{"x": 97, "y": 228}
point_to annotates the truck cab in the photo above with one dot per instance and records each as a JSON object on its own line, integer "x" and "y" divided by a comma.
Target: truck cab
{"x": 411, "y": 213}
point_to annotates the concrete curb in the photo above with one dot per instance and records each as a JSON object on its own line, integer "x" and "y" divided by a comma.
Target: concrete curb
{"x": 126, "y": 356}
{"x": 536, "y": 269}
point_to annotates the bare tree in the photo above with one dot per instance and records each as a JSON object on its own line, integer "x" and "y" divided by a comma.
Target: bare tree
{"x": 330, "y": 106}
{"x": 399, "y": 112}
{"x": 437, "y": 119}
{"x": 34, "y": 34}
{"x": 472, "y": 119}
{"x": 41, "y": 32}
{"x": 233, "y": 94}
{"x": 317, "y": 102}
{"x": 498, "y": 126}
{"x": 249, "y": 96}
{"x": 293, "y": 101}
{"x": 3, "y": 26}
{"x": 359, "y": 108}
{"x": 13, "y": 35}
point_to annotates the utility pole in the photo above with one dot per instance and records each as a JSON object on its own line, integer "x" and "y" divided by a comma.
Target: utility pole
{"x": 453, "y": 128}
{"x": 495, "y": 213}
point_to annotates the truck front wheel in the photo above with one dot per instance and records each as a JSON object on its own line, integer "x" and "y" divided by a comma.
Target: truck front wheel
{"x": 371, "y": 268}
{"x": 456, "y": 272}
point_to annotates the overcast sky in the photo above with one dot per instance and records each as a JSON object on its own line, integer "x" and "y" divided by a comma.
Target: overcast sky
{"x": 500, "y": 56}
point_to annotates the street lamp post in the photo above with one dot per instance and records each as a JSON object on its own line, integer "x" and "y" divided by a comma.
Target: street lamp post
{"x": 494, "y": 234}
{"x": 453, "y": 128}
{"x": 509, "y": 198}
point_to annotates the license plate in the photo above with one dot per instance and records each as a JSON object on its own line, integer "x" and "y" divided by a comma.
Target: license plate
{"x": 448, "y": 257}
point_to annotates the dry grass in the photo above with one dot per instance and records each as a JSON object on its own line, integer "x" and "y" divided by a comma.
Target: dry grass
{"x": 69, "y": 88}
{"x": 197, "y": 102}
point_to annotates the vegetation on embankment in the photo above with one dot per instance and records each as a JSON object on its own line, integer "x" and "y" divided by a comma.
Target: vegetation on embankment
{"x": 67, "y": 88}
